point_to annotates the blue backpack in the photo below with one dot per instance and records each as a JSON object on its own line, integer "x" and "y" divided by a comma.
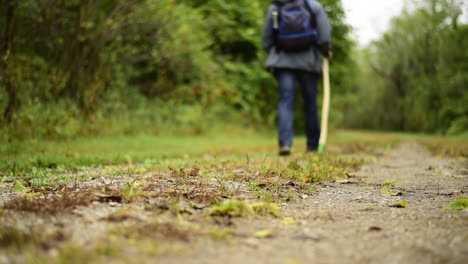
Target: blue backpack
{"x": 294, "y": 26}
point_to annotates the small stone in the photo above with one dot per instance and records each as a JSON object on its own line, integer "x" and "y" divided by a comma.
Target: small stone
{"x": 252, "y": 242}
{"x": 304, "y": 196}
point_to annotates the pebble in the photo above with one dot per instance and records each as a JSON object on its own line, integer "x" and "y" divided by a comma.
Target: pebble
{"x": 304, "y": 196}
{"x": 253, "y": 242}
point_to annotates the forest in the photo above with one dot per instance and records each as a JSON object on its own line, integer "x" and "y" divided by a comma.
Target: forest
{"x": 73, "y": 68}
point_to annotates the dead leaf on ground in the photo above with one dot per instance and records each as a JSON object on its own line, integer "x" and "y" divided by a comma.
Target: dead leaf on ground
{"x": 343, "y": 181}
{"x": 263, "y": 234}
{"x": 387, "y": 192}
{"x": 288, "y": 221}
{"x": 401, "y": 204}
{"x": 375, "y": 228}
{"x": 391, "y": 183}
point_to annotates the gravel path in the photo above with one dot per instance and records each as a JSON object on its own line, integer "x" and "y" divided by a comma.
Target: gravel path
{"x": 353, "y": 223}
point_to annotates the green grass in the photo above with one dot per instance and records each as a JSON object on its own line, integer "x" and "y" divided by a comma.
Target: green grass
{"x": 73, "y": 154}
{"x": 33, "y": 156}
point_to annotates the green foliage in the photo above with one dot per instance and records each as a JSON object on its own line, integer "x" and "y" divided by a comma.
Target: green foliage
{"x": 415, "y": 77}
{"x": 77, "y": 68}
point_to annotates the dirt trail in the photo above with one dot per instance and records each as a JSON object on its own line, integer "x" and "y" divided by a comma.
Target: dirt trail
{"x": 339, "y": 222}
{"x": 353, "y": 223}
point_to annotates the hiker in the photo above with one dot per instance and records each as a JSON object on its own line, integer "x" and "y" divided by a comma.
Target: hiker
{"x": 295, "y": 34}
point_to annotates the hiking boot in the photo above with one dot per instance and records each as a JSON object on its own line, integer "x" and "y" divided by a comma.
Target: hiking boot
{"x": 311, "y": 150}
{"x": 285, "y": 151}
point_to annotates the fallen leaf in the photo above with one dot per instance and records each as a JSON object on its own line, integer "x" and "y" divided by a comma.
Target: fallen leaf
{"x": 459, "y": 204}
{"x": 274, "y": 209}
{"x": 401, "y": 204}
{"x": 343, "y": 181}
{"x": 221, "y": 234}
{"x": 391, "y": 183}
{"x": 263, "y": 234}
{"x": 458, "y": 176}
{"x": 386, "y": 192}
{"x": 288, "y": 221}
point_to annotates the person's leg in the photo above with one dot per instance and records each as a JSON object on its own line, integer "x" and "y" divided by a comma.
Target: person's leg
{"x": 309, "y": 83}
{"x": 286, "y": 83}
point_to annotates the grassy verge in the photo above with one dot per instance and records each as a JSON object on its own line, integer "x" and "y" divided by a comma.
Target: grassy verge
{"x": 20, "y": 157}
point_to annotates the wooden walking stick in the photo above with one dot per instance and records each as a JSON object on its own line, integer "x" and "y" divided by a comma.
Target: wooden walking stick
{"x": 325, "y": 107}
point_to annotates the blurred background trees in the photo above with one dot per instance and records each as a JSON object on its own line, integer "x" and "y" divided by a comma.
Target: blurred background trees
{"x": 415, "y": 78}
{"x": 79, "y": 67}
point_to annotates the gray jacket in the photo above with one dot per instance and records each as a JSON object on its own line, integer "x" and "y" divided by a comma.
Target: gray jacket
{"x": 308, "y": 60}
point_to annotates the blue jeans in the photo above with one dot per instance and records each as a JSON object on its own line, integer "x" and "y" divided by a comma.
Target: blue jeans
{"x": 287, "y": 80}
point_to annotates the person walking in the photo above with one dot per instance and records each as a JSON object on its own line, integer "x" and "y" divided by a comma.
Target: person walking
{"x": 295, "y": 34}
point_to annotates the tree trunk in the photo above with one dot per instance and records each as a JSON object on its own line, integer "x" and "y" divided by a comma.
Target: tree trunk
{"x": 5, "y": 79}
{"x": 75, "y": 67}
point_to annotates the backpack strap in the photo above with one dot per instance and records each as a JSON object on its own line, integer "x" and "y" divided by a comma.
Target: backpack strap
{"x": 309, "y": 5}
